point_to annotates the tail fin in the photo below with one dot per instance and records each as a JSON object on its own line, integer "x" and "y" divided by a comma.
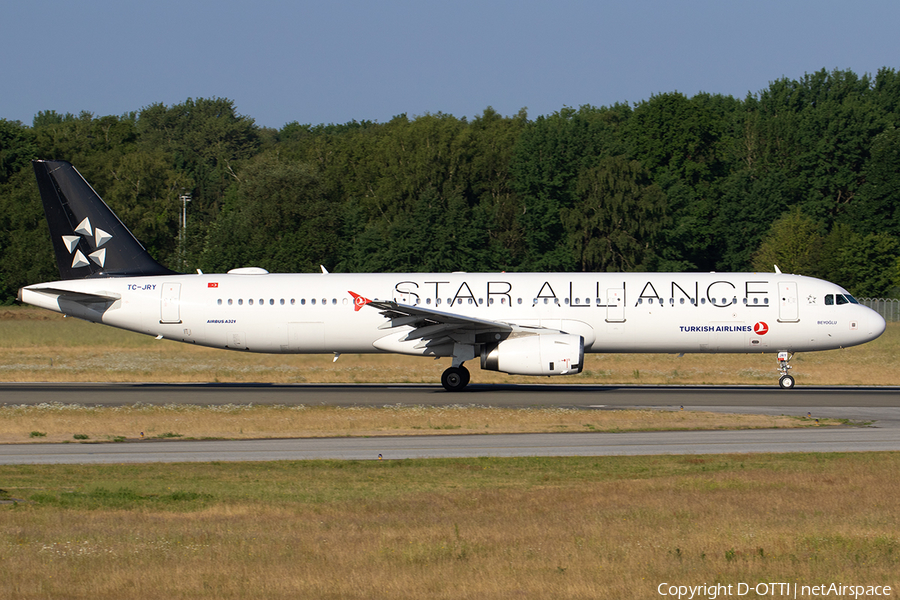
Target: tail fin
{"x": 88, "y": 238}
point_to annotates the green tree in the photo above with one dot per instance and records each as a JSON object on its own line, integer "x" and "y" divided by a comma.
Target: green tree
{"x": 273, "y": 217}
{"x": 686, "y": 145}
{"x": 865, "y": 264}
{"x": 877, "y": 207}
{"x": 749, "y": 203}
{"x": 144, "y": 190}
{"x": 548, "y": 156}
{"x": 793, "y": 244}
{"x": 26, "y": 255}
{"x": 17, "y": 148}
{"x": 206, "y": 139}
{"x": 620, "y": 214}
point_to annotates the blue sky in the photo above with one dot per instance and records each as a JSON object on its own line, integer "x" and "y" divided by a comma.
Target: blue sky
{"x": 333, "y": 62}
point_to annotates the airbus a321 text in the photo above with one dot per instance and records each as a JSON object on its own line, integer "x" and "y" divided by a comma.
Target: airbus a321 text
{"x": 518, "y": 323}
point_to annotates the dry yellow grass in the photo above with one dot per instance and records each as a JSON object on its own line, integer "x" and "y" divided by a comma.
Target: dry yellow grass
{"x": 492, "y": 528}
{"x": 62, "y": 422}
{"x": 37, "y": 345}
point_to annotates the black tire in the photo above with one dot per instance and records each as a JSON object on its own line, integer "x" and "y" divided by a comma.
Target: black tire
{"x": 786, "y": 382}
{"x": 455, "y": 379}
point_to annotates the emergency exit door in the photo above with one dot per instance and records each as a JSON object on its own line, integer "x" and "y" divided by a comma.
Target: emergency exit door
{"x": 615, "y": 305}
{"x": 788, "y": 307}
{"x": 170, "y": 304}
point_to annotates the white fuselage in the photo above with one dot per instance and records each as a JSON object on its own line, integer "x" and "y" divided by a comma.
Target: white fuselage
{"x": 613, "y": 312}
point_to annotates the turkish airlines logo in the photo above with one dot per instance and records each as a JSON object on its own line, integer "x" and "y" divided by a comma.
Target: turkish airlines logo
{"x": 761, "y": 328}
{"x": 358, "y": 301}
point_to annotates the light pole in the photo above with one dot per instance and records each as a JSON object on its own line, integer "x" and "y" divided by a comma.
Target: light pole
{"x": 185, "y": 198}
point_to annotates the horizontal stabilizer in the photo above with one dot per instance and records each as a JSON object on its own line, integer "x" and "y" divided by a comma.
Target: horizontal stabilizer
{"x": 90, "y": 307}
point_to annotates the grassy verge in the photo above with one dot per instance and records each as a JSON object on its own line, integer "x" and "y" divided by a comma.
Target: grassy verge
{"x": 37, "y": 345}
{"x": 482, "y": 528}
{"x": 75, "y": 423}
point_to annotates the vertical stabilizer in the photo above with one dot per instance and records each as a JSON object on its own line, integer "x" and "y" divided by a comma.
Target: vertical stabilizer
{"x": 89, "y": 240}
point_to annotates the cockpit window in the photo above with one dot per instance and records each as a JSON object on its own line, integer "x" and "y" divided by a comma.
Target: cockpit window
{"x": 831, "y": 299}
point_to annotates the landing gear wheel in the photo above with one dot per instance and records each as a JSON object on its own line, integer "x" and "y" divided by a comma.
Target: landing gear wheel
{"x": 455, "y": 379}
{"x": 784, "y": 365}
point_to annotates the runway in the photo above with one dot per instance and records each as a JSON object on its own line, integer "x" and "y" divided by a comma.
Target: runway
{"x": 500, "y": 395}
{"x": 876, "y": 411}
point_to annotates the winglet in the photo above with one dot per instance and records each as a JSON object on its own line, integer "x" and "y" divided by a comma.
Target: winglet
{"x": 358, "y": 301}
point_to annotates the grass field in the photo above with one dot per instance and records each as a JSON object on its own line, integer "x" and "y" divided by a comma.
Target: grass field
{"x": 480, "y": 528}
{"x": 37, "y": 345}
{"x": 76, "y": 423}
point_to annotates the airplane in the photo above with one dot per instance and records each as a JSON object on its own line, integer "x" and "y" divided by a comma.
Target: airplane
{"x": 539, "y": 324}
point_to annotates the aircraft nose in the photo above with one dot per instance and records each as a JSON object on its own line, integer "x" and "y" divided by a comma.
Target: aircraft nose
{"x": 877, "y": 324}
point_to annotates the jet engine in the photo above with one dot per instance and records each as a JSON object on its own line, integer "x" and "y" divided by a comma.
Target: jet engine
{"x": 551, "y": 354}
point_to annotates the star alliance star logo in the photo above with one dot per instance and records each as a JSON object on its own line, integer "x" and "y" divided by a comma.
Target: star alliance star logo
{"x": 97, "y": 236}
{"x": 811, "y": 299}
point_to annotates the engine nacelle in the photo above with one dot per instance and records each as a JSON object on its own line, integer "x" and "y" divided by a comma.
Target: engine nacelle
{"x": 553, "y": 354}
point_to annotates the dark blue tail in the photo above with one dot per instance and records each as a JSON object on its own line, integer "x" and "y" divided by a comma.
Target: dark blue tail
{"x": 88, "y": 238}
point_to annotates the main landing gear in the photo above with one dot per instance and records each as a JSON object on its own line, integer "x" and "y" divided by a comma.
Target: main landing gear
{"x": 455, "y": 379}
{"x": 786, "y": 381}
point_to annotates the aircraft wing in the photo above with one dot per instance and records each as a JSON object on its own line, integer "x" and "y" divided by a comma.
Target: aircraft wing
{"x": 418, "y": 316}
{"x": 436, "y": 327}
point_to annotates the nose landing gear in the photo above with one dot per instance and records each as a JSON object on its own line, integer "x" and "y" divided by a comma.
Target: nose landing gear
{"x": 786, "y": 381}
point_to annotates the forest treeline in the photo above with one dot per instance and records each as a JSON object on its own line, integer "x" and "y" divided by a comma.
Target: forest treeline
{"x": 804, "y": 174}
